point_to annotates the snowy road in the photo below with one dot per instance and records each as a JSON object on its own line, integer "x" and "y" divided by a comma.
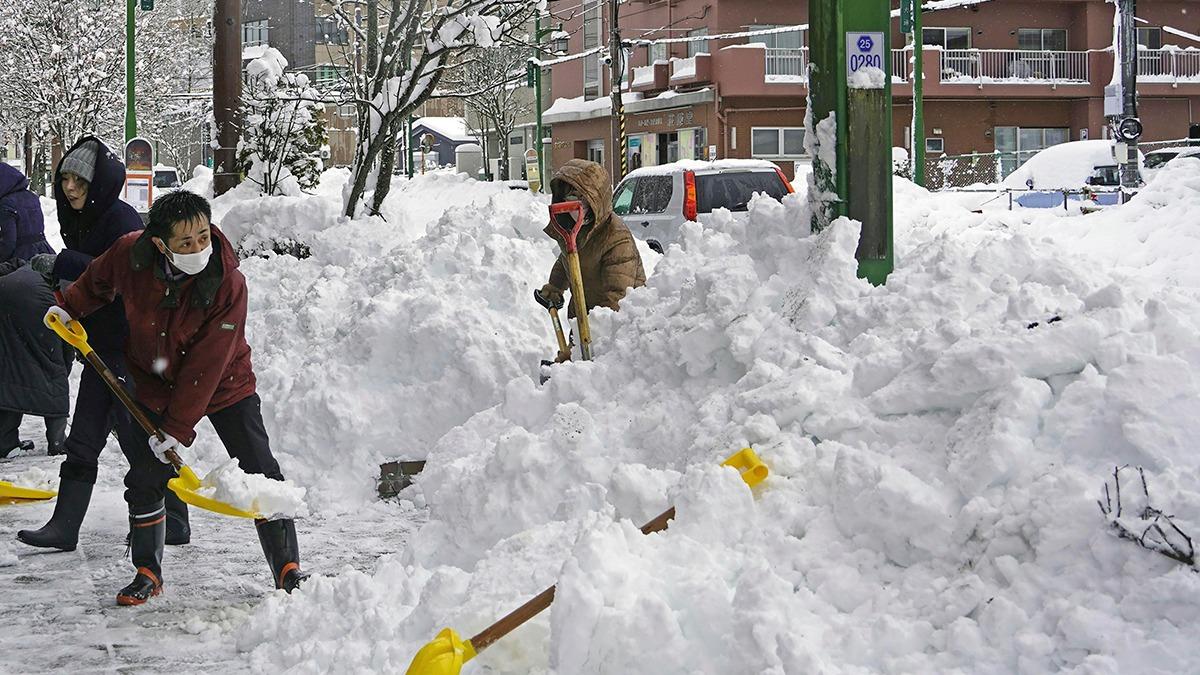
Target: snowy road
{"x": 59, "y": 615}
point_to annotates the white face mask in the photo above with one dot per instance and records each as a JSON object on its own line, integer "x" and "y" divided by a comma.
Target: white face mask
{"x": 192, "y": 263}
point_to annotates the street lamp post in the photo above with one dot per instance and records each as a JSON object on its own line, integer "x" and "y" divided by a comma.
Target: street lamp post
{"x": 130, "y": 109}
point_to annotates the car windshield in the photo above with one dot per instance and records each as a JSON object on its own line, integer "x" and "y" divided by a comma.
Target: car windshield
{"x": 1106, "y": 176}
{"x": 164, "y": 179}
{"x": 1157, "y": 159}
{"x": 734, "y": 190}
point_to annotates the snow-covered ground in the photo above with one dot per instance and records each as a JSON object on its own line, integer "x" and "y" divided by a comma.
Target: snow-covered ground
{"x": 936, "y": 457}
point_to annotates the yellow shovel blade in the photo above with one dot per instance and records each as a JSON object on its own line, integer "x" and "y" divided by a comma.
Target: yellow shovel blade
{"x": 444, "y": 655}
{"x": 186, "y": 485}
{"x": 16, "y": 493}
{"x": 748, "y": 464}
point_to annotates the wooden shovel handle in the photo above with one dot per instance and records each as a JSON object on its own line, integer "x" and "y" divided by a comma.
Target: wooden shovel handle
{"x": 542, "y": 600}
{"x": 134, "y": 409}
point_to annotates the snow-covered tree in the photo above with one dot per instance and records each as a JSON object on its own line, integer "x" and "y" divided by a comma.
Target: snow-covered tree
{"x": 500, "y": 107}
{"x": 283, "y": 130}
{"x": 411, "y": 46}
{"x": 61, "y": 67}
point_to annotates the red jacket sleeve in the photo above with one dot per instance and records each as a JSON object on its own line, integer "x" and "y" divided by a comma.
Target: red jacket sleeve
{"x": 99, "y": 283}
{"x": 213, "y": 348}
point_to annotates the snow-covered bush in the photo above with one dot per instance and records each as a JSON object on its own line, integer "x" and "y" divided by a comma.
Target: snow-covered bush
{"x": 283, "y": 129}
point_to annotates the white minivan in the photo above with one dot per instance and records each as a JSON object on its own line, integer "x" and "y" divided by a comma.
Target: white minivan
{"x": 655, "y": 201}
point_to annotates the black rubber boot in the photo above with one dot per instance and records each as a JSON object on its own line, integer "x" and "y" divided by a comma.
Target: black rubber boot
{"x": 56, "y": 435}
{"x": 62, "y": 532}
{"x": 19, "y": 450}
{"x": 179, "y": 531}
{"x": 149, "y": 527}
{"x": 278, "y": 538}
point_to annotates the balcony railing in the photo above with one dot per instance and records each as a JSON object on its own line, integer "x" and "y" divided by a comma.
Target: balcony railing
{"x": 1011, "y": 66}
{"x": 791, "y": 64}
{"x": 787, "y": 64}
{"x": 1168, "y": 65}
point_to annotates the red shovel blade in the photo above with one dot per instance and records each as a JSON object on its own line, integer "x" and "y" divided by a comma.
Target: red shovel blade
{"x": 569, "y": 236}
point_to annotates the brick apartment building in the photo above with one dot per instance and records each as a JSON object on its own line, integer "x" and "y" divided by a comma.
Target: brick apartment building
{"x": 1000, "y": 76}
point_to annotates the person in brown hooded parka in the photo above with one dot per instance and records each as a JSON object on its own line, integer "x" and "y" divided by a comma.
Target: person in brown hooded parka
{"x": 609, "y": 261}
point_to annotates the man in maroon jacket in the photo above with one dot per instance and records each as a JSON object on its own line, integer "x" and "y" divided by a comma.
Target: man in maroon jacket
{"x": 186, "y": 304}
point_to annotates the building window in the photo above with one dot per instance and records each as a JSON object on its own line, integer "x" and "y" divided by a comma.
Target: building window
{"x": 329, "y": 76}
{"x": 697, "y": 46}
{"x": 1150, "y": 38}
{"x": 793, "y": 39}
{"x": 1042, "y": 39}
{"x": 592, "y": 38}
{"x": 776, "y": 141}
{"x": 516, "y": 140}
{"x": 1017, "y": 144}
{"x": 254, "y": 33}
{"x": 657, "y": 52}
{"x": 329, "y": 31}
{"x": 595, "y": 151}
{"x": 347, "y": 111}
{"x": 947, "y": 38}
{"x": 935, "y": 145}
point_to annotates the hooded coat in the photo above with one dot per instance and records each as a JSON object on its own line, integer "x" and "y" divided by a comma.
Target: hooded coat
{"x": 187, "y": 348}
{"x": 34, "y": 362}
{"x": 89, "y": 232}
{"x": 609, "y": 261}
{"x": 22, "y": 229}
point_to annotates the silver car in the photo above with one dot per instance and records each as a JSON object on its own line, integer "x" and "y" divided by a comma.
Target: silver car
{"x": 655, "y": 201}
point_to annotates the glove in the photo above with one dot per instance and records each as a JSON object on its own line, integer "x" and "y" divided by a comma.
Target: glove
{"x": 552, "y": 295}
{"x": 563, "y": 357}
{"x": 160, "y": 448}
{"x": 43, "y": 263}
{"x": 62, "y": 314}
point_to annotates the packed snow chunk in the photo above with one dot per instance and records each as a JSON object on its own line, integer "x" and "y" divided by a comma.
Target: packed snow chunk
{"x": 8, "y": 554}
{"x": 867, "y": 78}
{"x": 255, "y": 493}
{"x": 34, "y": 477}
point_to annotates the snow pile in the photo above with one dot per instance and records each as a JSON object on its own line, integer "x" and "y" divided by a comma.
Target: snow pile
{"x": 394, "y": 330}
{"x": 867, "y": 78}
{"x": 937, "y": 447}
{"x": 33, "y": 477}
{"x": 253, "y": 492}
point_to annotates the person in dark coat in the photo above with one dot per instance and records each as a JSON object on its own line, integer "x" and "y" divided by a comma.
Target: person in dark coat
{"x": 22, "y": 230}
{"x": 186, "y": 302}
{"x": 87, "y": 186}
{"x": 33, "y": 364}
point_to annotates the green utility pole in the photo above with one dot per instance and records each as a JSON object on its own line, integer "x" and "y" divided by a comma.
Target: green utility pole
{"x": 918, "y": 123}
{"x": 850, "y": 96}
{"x": 130, "y": 109}
{"x": 537, "y": 103}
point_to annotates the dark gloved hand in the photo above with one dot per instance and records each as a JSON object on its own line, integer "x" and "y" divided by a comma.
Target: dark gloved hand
{"x": 43, "y": 263}
{"x": 549, "y": 296}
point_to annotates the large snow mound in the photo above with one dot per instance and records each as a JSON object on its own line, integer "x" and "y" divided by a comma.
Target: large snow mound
{"x": 937, "y": 445}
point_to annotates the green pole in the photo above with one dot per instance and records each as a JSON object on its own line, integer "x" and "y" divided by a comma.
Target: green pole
{"x": 537, "y": 92}
{"x": 854, "y": 36}
{"x": 130, "y": 110}
{"x": 918, "y": 172}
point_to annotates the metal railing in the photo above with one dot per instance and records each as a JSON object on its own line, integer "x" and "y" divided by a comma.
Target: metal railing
{"x": 1013, "y": 66}
{"x": 792, "y": 63}
{"x": 789, "y": 63}
{"x": 1168, "y": 65}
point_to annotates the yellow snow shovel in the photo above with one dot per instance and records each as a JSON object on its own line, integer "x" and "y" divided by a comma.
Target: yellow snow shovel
{"x": 15, "y": 494}
{"x": 570, "y": 239}
{"x": 553, "y": 307}
{"x": 187, "y": 482}
{"x": 446, "y": 653}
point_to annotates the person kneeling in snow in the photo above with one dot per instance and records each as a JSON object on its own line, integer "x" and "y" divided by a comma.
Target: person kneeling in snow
{"x": 609, "y": 261}
{"x": 187, "y": 352}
